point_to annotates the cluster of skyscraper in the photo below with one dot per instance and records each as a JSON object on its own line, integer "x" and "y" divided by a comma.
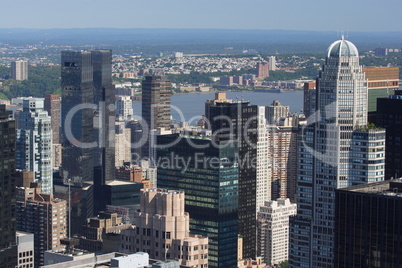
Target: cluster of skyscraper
{"x": 227, "y": 187}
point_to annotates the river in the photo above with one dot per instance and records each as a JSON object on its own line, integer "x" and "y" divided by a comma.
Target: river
{"x": 191, "y": 106}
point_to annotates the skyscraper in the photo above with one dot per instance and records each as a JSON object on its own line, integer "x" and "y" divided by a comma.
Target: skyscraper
{"x": 122, "y": 144}
{"x": 336, "y": 149}
{"x": 210, "y": 180}
{"x": 87, "y": 115}
{"x": 19, "y": 70}
{"x": 389, "y": 116}
{"x": 382, "y": 82}
{"x": 282, "y": 155}
{"x": 34, "y": 142}
{"x": 309, "y": 98}
{"x": 238, "y": 120}
{"x": 8, "y": 248}
{"x": 368, "y": 225}
{"x": 52, "y": 106}
{"x": 264, "y": 169}
{"x": 155, "y": 106}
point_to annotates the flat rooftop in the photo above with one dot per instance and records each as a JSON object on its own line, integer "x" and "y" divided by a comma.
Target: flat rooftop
{"x": 388, "y": 187}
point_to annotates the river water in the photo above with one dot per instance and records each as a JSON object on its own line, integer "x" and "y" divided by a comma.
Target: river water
{"x": 190, "y": 107}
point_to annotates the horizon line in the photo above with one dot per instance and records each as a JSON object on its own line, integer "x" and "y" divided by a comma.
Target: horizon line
{"x": 211, "y": 29}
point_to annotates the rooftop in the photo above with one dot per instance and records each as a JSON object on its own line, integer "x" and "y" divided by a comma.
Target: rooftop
{"x": 342, "y": 48}
{"x": 391, "y": 187}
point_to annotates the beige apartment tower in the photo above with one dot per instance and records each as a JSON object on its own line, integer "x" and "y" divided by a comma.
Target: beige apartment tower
{"x": 282, "y": 155}
{"x": 162, "y": 230}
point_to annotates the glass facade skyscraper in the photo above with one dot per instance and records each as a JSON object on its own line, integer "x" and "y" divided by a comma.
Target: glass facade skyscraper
{"x": 8, "y": 247}
{"x": 87, "y": 115}
{"x": 238, "y": 120}
{"x": 368, "y": 225}
{"x": 207, "y": 171}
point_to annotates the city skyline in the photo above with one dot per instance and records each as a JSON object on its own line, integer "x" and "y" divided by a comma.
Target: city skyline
{"x": 286, "y": 15}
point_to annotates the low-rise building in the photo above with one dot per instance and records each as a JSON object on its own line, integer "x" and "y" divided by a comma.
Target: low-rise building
{"x": 98, "y": 233}
{"x": 25, "y": 245}
{"x": 162, "y": 230}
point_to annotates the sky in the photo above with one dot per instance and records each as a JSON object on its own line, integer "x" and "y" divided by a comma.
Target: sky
{"x": 315, "y": 15}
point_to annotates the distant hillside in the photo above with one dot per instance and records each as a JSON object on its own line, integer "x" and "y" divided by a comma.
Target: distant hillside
{"x": 200, "y": 40}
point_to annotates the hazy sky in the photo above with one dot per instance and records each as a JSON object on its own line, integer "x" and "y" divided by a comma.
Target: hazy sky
{"x": 343, "y": 15}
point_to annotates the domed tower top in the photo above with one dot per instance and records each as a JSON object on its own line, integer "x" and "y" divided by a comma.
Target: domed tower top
{"x": 342, "y": 48}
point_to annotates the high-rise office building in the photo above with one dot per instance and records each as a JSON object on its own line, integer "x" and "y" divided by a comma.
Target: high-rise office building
{"x": 273, "y": 230}
{"x": 8, "y": 248}
{"x": 19, "y": 70}
{"x": 389, "y": 116}
{"x": 336, "y": 149}
{"x": 382, "y": 82}
{"x": 262, "y": 69}
{"x": 238, "y": 120}
{"x": 87, "y": 115}
{"x": 162, "y": 230}
{"x": 210, "y": 180}
{"x": 155, "y": 107}
{"x": 368, "y": 225}
{"x": 44, "y": 216}
{"x": 34, "y": 142}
